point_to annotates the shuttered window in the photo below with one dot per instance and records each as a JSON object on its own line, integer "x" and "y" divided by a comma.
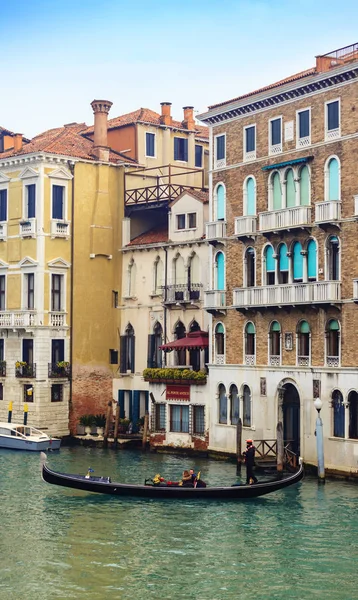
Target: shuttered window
{"x": 3, "y": 205}
{"x": 297, "y": 262}
{"x": 150, "y": 144}
{"x": 57, "y": 201}
{"x": 198, "y": 156}
{"x": 304, "y": 124}
{"x": 333, "y": 115}
{"x": 250, "y": 139}
{"x": 31, "y": 201}
{"x": 220, "y": 147}
{"x": 181, "y": 149}
{"x": 275, "y": 132}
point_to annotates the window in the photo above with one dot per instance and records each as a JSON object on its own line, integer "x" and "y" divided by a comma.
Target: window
{"x": 338, "y": 414}
{"x": 220, "y": 151}
{"x": 312, "y": 260}
{"x": 58, "y": 195}
{"x": 181, "y": 221}
{"x": 290, "y": 189}
{"x": 150, "y": 144}
{"x": 303, "y": 344}
{"x": 276, "y": 191}
{"x": 219, "y": 343}
{"x": 250, "y": 344}
{"x": 333, "y": 121}
{"x": 159, "y": 413}
{"x": 192, "y": 221}
{"x": 3, "y": 205}
{"x": 113, "y": 357}
{"x": 220, "y": 203}
{"x": 198, "y": 419}
{"x": 219, "y": 271}
{"x": 179, "y": 334}
{"x": 250, "y": 142}
{"x": 57, "y": 351}
{"x": 56, "y": 392}
{"x": 250, "y": 267}
{"x": 275, "y": 344}
{"x": 332, "y": 343}
{"x": 246, "y": 406}
{"x": 181, "y": 149}
{"x": 194, "y": 278}
{"x": 179, "y": 419}
{"x": 115, "y": 298}
{"x": 303, "y": 128}
{"x": 56, "y": 292}
{"x": 2, "y": 292}
{"x": 353, "y": 415}
{"x": 131, "y": 279}
{"x": 28, "y": 393}
{"x": 1, "y": 391}
{"x": 332, "y": 180}
{"x": 333, "y": 252}
{"x": 30, "y": 201}
{"x": 2, "y": 350}
{"x": 127, "y": 350}
{"x": 283, "y": 265}
{"x": 198, "y": 156}
{"x": 234, "y": 405}
{"x": 29, "y": 291}
{"x": 270, "y": 266}
{"x": 222, "y": 404}
{"x": 250, "y": 196}
{"x": 304, "y": 178}
{"x": 275, "y": 136}
{"x": 297, "y": 263}
{"x": 158, "y": 276}
{"x": 155, "y": 340}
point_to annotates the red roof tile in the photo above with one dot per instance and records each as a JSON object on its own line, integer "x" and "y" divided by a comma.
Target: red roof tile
{"x": 153, "y": 236}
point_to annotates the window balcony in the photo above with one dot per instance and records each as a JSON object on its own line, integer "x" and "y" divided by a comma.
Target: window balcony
{"x": 59, "y": 369}
{"x": 303, "y": 361}
{"x": 24, "y": 369}
{"x": 57, "y": 319}
{"x": 182, "y": 294}
{"x": 250, "y": 360}
{"x": 318, "y": 292}
{"x": 215, "y": 300}
{"x": 219, "y": 359}
{"x": 275, "y": 149}
{"x": 215, "y": 231}
{"x": 3, "y": 231}
{"x": 332, "y": 361}
{"x": 332, "y": 134}
{"x": 286, "y": 218}
{"x": 275, "y": 360}
{"x": 60, "y": 229}
{"x": 328, "y": 212}
{"x": 245, "y": 226}
{"x": 17, "y": 319}
{"x": 28, "y": 228}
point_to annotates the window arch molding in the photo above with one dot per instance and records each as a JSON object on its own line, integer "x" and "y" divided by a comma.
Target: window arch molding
{"x": 338, "y": 413}
{"x": 219, "y": 343}
{"x": 249, "y": 266}
{"x": 249, "y": 204}
{"x": 249, "y": 334}
{"x": 220, "y": 270}
{"x": 158, "y": 272}
{"x": 304, "y": 199}
{"x": 268, "y": 264}
{"x": 246, "y": 399}
{"x": 234, "y": 403}
{"x": 219, "y": 204}
{"x": 332, "y": 188}
{"x": 333, "y": 342}
{"x": 275, "y": 189}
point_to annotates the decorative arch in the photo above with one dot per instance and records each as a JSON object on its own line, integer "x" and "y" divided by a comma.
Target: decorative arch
{"x": 332, "y": 179}
{"x": 249, "y": 195}
{"x": 219, "y": 275}
{"x": 234, "y": 404}
{"x": 290, "y": 188}
{"x": 219, "y": 202}
{"x": 222, "y": 404}
{"x": 269, "y": 269}
{"x": 304, "y": 176}
{"x": 158, "y": 275}
{"x": 338, "y": 414}
{"x": 250, "y": 343}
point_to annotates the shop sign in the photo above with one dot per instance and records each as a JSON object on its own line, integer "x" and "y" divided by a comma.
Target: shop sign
{"x": 178, "y": 392}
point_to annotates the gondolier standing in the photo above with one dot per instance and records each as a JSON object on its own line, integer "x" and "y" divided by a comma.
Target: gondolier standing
{"x": 250, "y": 462}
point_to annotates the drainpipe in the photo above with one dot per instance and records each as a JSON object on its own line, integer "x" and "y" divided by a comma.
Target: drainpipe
{"x": 71, "y": 166}
{"x": 165, "y": 301}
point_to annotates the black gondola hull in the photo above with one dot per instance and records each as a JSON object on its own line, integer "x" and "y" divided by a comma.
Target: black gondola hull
{"x": 105, "y": 486}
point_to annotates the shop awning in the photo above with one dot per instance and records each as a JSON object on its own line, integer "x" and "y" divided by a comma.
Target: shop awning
{"x": 287, "y": 163}
{"x": 197, "y": 340}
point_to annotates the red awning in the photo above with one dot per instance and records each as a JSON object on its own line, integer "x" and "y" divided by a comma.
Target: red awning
{"x": 197, "y": 340}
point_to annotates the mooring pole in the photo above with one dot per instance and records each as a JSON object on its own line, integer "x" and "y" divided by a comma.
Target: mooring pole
{"x": 280, "y": 447}
{"x": 108, "y": 422}
{"x": 116, "y": 425}
{"x": 145, "y": 431}
{"x": 9, "y": 414}
{"x": 238, "y": 446}
{"x": 319, "y": 438}
{"x": 26, "y": 410}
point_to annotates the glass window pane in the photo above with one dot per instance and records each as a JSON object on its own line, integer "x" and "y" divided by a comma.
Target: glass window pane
{"x": 220, "y": 147}
{"x": 304, "y": 124}
{"x": 275, "y": 132}
{"x": 333, "y": 115}
{"x": 250, "y": 139}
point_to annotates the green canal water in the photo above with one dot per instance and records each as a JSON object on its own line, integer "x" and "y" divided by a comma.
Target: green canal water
{"x": 62, "y": 544}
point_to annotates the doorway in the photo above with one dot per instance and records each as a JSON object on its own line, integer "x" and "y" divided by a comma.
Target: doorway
{"x": 291, "y": 417}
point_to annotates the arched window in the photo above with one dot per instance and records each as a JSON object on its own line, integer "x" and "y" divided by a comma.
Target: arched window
{"x": 194, "y": 355}
{"x": 338, "y": 414}
{"x": 250, "y": 267}
{"x": 220, "y": 203}
{"x": 250, "y": 348}
{"x": 220, "y": 271}
{"x": 158, "y": 340}
{"x": 179, "y": 278}
{"x": 290, "y": 189}
{"x": 219, "y": 344}
{"x": 333, "y": 251}
{"x": 234, "y": 405}
{"x": 303, "y": 344}
{"x": 332, "y": 343}
{"x": 127, "y": 350}
{"x": 131, "y": 282}
{"x": 276, "y": 191}
{"x": 353, "y": 415}
{"x": 333, "y": 183}
{"x": 246, "y": 421}
{"x": 275, "y": 344}
{"x": 194, "y": 277}
{"x": 312, "y": 260}
{"x": 283, "y": 264}
{"x": 222, "y": 404}
{"x": 158, "y": 275}
{"x": 297, "y": 262}
{"x": 269, "y": 266}
{"x": 250, "y": 193}
{"x": 179, "y": 334}
{"x": 304, "y": 186}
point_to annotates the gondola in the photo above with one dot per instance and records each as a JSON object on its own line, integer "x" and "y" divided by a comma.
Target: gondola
{"x": 104, "y": 485}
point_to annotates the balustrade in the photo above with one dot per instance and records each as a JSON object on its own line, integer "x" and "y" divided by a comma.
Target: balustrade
{"x": 286, "y": 218}
{"x": 245, "y": 225}
{"x": 295, "y": 293}
{"x": 215, "y": 299}
{"x": 216, "y": 230}
{"x": 326, "y": 212}
{"x": 17, "y": 318}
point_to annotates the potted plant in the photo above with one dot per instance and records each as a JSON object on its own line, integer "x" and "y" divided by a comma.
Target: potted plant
{"x": 87, "y": 421}
{"x": 100, "y": 422}
{"x": 123, "y": 425}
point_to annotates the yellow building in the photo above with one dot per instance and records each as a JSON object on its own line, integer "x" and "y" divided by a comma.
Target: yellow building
{"x": 61, "y": 205}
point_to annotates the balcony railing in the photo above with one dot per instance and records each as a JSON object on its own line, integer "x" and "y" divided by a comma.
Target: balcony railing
{"x": 332, "y": 361}
{"x": 215, "y": 299}
{"x": 321, "y": 292}
{"x": 61, "y": 369}
{"x": 60, "y": 228}
{"x": 28, "y": 228}
{"x": 275, "y": 360}
{"x": 57, "y": 319}
{"x": 303, "y": 361}
{"x": 245, "y": 225}
{"x": 326, "y": 212}
{"x": 23, "y": 369}
{"x": 216, "y": 230}
{"x": 181, "y": 293}
{"x": 2, "y": 368}
{"x": 250, "y": 360}
{"x": 17, "y": 318}
{"x": 219, "y": 359}
{"x": 287, "y": 218}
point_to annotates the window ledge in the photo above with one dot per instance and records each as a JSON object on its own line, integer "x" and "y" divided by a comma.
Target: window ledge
{"x": 129, "y": 297}
{"x": 126, "y": 374}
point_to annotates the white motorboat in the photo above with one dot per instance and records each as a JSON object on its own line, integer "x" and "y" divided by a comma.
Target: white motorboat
{"x": 25, "y": 437}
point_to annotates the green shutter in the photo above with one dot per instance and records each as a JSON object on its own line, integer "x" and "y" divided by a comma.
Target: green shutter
{"x": 275, "y": 326}
{"x": 304, "y": 327}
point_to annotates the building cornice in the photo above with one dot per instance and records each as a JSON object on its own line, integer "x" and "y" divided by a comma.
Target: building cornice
{"x": 161, "y": 245}
{"x": 36, "y": 157}
{"x": 276, "y": 96}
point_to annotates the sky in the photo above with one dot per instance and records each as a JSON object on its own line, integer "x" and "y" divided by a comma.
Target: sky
{"x": 57, "y": 56}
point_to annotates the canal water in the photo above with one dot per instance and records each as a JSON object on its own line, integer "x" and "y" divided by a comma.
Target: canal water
{"x": 57, "y": 543}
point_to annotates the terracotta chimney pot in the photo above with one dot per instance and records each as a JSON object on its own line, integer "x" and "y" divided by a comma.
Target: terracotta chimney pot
{"x": 189, "y": 121}
{"x": 17, "y": 142}
{"x": 101, "y": 109}
{"x": 166, "y": 118}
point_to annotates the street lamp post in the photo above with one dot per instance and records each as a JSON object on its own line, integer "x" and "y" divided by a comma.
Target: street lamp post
{"x": 319, "y": 437}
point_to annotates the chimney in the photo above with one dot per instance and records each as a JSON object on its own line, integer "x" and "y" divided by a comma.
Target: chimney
{"x": 101, "y": 109}
{"x": 189, "y": 121}
{"x": 17, "y": 139}
{"x": 166, "y": 118}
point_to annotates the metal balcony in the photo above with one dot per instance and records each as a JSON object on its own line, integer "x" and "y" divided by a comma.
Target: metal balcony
{"x": 59, "y": 369}
{"x": 182, "y": 293}
{"x": 318, "y": 292}
{"x": 295, "y": 217}
{"x": 25, "y": 370}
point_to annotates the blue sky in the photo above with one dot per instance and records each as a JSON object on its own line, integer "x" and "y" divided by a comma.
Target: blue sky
{"x": 57, "y": 56}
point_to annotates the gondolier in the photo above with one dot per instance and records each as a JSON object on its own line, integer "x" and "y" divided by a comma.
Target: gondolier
{"x": 250, "y": 462}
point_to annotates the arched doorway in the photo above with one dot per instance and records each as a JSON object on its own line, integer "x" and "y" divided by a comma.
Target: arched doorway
{"x": 291, "y": 417}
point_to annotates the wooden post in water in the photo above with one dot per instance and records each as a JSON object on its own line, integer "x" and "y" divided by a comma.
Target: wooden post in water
{"x": 238, "y": 447}
{"x": 145, "y": 431}
{"x": 116, "y": 426}
{"x": 108, "y": 422}
{"x": 280, "y": 455}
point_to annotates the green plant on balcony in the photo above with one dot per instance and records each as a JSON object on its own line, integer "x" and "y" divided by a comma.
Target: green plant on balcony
{"x": 62, "y": 364}
{"x": 172, "y": 374}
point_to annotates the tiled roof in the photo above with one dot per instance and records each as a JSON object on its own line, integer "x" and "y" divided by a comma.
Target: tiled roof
{"x": 5, "y": 131}
{"x": 153, "y": 236}
{"x": 145, "y": 115}
{"x": 290, "y": 79}
{"x": 200, "y": 195}
{"x": 67, "y": 141}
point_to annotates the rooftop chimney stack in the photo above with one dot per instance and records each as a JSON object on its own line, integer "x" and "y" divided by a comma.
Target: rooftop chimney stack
{"x": 166, "y": 118}
{"x": 101, "y": 109}
{"x": 17, "y": 142}
{"x": 189, "y": 121}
